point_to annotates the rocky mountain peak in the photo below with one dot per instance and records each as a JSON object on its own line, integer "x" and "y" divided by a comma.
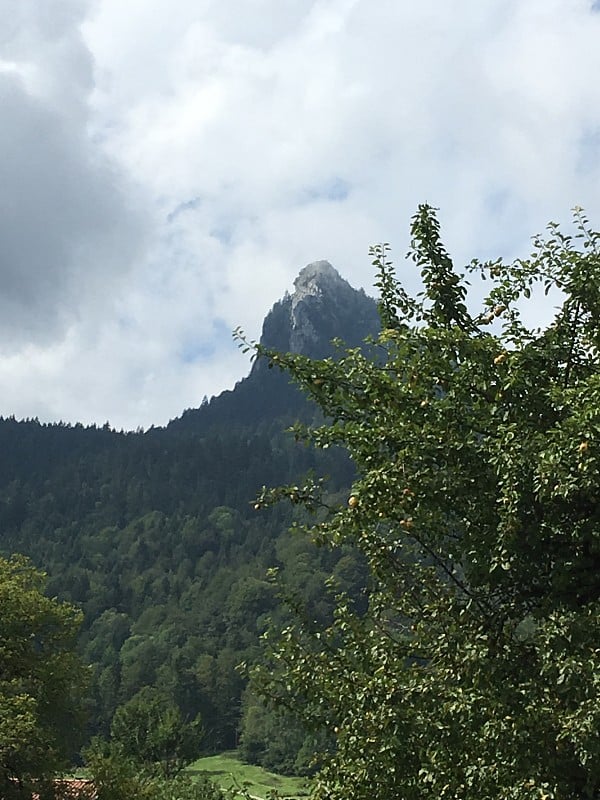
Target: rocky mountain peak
{"x": 323, "y": 306}
{"x": 315, "y": 278}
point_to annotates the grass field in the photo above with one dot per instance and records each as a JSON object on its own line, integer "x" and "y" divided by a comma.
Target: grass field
{"x": 227, "y": 771}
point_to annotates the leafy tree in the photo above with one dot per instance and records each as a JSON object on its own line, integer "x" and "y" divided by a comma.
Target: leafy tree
{"x": 117, "y": 777}
{"x": 41, "y": 679}
{"x": 150, "y": 729}
{"x": 277, "y": 741}
{"x": 475, "y": 671}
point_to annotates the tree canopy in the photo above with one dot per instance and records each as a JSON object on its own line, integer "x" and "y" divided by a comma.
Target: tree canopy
{"x": 41, "y": 679}
{"x": 475, "y": 671}
{"x": 154, "y": 537}
{"x": 150, "y": 728}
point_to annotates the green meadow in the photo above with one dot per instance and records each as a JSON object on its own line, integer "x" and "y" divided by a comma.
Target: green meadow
{"x": 228, "y": 772}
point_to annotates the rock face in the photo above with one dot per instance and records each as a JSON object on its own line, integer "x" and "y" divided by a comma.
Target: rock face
{"x": 322, "y": 307}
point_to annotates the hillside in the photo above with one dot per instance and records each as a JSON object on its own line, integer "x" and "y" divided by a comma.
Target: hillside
{"x": 155, "y": 536}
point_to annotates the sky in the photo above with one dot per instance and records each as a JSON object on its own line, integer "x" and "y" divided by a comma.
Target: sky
{"x": 167, "y": 167}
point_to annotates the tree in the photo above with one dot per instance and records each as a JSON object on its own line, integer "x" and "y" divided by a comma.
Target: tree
{"x": 475, "y": 671}
{"x": 41, "y": 679}
{"x": 115, "y": 776}
{"x": 276, "y": 740}
{"x": 150, "y": 729}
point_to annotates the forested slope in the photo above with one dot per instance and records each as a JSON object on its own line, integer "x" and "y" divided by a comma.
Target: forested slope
{"x": 155, "y": 533}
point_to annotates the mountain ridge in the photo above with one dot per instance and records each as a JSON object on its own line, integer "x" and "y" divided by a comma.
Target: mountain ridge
{"x": 154, "y": 534}
{"x": 322, "y": 307}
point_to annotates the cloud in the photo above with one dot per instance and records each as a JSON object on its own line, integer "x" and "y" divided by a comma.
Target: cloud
{"x": 403, "y": 103}
{"x": 261, "y": 136}
{"x": 67, "y": 230}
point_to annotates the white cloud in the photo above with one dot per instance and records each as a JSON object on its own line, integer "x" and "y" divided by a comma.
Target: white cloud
{"x": 261, "y": 135}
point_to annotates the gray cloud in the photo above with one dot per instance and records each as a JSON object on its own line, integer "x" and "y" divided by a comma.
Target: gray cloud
{"x": 67, "y": 226}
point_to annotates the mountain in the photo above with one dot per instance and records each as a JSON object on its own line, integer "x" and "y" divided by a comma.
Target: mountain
{"x": 155, "y": 535}
{"x": 322, "y": 307}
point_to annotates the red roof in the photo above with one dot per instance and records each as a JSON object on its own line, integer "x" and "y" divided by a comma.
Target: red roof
{"x": 73, "y": 789}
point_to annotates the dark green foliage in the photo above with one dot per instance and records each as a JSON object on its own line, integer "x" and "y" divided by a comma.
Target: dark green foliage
{"x": 278, "y": 740}
{"x": 150, "y": 729}
{"x": 173, "y": 596}
{"x": 41, "y": 680}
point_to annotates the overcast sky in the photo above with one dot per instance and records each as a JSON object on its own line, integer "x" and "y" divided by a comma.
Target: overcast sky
{"x": 168, "y": 166}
